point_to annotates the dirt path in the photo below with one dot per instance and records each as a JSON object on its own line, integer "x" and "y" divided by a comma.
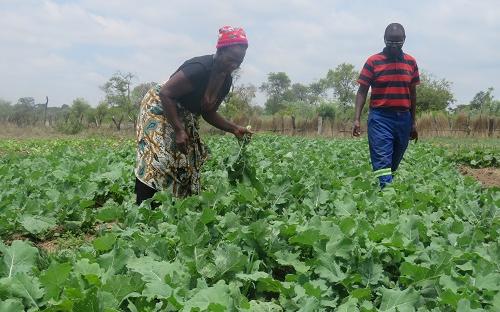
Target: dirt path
{"x": 488, "y": 177}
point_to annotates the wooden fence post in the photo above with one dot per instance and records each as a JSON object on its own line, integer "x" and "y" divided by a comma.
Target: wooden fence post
{"x": 320, "y": 125}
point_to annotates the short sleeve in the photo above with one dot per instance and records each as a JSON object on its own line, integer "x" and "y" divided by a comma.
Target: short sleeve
{"x": 415, "y": 77}
{"x": 366, "y": 75}
{"x": 194, "y": 72}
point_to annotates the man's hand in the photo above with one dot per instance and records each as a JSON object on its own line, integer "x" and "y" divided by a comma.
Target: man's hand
{"x": 414, "y": 133}
{"x": 182, "y": 141}
{"x": 356, "y": 129}
{"x": 240, "y": 132}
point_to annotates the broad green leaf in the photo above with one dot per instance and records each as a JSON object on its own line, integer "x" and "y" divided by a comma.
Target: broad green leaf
{"x": 120, "y": 286}
{"x": 312, "y": 290}
{"x": 496, "y": 302}
{"x": 11, "y": 305}
{"x": 361, "y": 293}
{"x": 381, "y": 231}
{"x": 23, "y": 286}
{"x": 307, "y": 237}
{"x": 288, "y": 258}
{"x": 413, "y": 272}
{"x": 115, "y": 260}
{"x": 270, "y": 285}
{"x": 54, "y": 277}
{"x": 19, "y": 257}
{"x": 91, "y": 271}
{"x": 345, "y": 207}
{"x": 104, "y": 243}
{"x": 157, "y": 289}
{"x": 109, "y": 213}
{"x": 208, "y": 215}
{"x": 371, "y": 272}
{"x": 217, "y": 295}
{"x": 37, "y": 224}
{"x": 90, "y": 303}
{"x": 350, "y": 305}
{"x": 488, "y": 282}
{"x": 151, "y": 271}
{"x": 192, "y": 231}
{"x": 340, "y": 246}
{"x": 229, "y": 258}
{"x": 464, "y": 306}
{"x": 330, "y": 270}
{"x": 450, "y": 298}
{"x": 253, "y": 276}
{"x": 449, "y": 282}
{"x": 395, "y": 300}
{"x": 258, "y": 306}
{"x": 309, "y": 304}
{"x": 107, "y": 301}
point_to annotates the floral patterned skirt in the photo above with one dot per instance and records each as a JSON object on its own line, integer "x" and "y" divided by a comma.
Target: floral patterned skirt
{"x": 159, "y": 163}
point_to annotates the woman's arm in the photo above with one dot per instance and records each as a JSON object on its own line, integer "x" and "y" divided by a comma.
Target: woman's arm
{"x": 177, "y": 86}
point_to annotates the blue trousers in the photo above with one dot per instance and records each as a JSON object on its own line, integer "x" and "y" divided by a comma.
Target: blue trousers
{"x": 388, "y": 136}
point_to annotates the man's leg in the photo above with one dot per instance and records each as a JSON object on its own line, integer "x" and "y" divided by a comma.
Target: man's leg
{"x": 401, "y": 138}
{"x": 380, "y": 139}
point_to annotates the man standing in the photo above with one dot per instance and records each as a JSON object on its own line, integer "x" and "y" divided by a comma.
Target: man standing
{"x": 393, "y": 77}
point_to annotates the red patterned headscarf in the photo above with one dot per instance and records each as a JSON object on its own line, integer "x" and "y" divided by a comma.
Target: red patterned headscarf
{"x": 230, "y": 36}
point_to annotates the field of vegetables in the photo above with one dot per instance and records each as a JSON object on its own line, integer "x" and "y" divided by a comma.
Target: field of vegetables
{"x": 307, "y": 229}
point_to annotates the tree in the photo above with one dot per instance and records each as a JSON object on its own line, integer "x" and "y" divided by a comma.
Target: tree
{"x": 300, "y": 92}
{"x": 278, "y": 91}
{"x": 238, "y": 102}
{"x": 483, "y": 101}
{"x": 317, "y": 92}
{"x": 45, "y": 108}
{"x": 64, "y": 113}
{"x": 79, "y": 109}
{"x": 326, "y": 111}
{"x": 118, "y": 97}
{"x": 433, "y": 94}
{"x": 137, "y": 95}
{"x": 23, "y": 111}
{"x": 342, "y": 80}
{"x": 140, "y": 91}
{"x": 100, "y": 112}
{"x": 5, "y": 110}
{"x": 495, "y": 108}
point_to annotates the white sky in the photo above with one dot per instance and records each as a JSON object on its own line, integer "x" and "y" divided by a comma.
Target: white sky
{"x": 67, "y": 49}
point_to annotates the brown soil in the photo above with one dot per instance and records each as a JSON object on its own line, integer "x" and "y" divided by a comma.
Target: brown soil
{"x": 51, "y": 244}
{"x": 489, "y": 177}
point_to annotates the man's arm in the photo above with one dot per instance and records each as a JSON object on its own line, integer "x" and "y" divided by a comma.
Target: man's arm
{"x": 413, "y": 109}
{"x": 360, "y": 103}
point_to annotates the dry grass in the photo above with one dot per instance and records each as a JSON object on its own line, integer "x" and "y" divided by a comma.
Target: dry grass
{"x": 11, "y": 131}
{"x": 432, "y": 124}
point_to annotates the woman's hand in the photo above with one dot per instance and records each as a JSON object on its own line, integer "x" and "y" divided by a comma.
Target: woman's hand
{"x": 240, "y": 132}
{"x": 182, "y": 141}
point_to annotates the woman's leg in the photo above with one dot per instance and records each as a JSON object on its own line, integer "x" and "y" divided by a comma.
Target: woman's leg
{"x": 143, "y": 192}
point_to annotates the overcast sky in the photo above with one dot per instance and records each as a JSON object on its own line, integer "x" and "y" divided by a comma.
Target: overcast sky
{"x": 68, "y": 48}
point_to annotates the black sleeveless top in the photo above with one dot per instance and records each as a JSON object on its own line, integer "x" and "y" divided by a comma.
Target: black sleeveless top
{"x": 197, "y": 71}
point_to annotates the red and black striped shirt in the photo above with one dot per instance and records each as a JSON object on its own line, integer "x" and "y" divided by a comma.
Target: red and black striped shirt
{"x": 390, "y": 79}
